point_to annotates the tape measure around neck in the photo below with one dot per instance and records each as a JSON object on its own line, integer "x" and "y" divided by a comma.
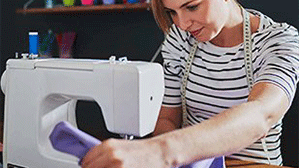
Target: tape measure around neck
{"x": 247, "y": 48}
{"x": 184, "y": 83}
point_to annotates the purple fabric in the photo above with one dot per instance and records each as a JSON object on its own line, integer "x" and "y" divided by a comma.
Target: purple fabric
{"x": 68, "y": 139}
{"x": 218, "y": 163}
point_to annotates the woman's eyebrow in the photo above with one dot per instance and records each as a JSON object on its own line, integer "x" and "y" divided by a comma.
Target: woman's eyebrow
{"x": 185, "y": 4}
{"x": 168, "y": 9}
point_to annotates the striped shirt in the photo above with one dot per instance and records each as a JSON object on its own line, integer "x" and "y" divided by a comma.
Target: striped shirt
{"x": 217, "y": 79}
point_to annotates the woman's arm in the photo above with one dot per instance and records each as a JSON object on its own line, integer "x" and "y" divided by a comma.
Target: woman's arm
{"x": 228, "y": 132}
{"x": 170, "y": 118}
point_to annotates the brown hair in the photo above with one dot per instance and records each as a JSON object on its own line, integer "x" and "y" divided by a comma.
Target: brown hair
{"x": 163, "y": 19}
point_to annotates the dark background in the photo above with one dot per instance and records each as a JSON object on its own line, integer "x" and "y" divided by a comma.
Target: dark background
{"x": 131, "y": 34}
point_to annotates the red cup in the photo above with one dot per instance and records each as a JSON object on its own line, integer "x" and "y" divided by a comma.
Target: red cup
{"x": 87, "y": 2}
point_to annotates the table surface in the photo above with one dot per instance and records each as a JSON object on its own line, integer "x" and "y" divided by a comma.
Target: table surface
{"x": 233, "y": 163}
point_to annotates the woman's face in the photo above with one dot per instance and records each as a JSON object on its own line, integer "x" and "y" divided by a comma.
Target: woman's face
{"x": 204, "y": 19}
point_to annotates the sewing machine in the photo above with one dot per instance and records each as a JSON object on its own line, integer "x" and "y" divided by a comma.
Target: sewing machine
{"x": 39, "y": 93}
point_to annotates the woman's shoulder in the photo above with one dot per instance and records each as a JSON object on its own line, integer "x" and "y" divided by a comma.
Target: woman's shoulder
{"x": 270, "y": 27}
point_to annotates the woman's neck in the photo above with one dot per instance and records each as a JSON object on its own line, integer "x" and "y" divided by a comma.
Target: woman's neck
{"x": 232, "y": 32}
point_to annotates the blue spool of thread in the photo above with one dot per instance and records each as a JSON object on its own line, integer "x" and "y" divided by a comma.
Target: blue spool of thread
{"x": 49, "y": 4}
{"x": 33, "y": 43}
{"x": 132, "y": 1}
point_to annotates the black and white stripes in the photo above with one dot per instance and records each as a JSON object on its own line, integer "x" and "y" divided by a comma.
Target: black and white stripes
{"x": 217, "y": 79}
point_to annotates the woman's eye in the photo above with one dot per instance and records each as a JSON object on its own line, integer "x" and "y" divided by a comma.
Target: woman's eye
{"x": 171, "y": 12}
{"x": 192, "y": 7}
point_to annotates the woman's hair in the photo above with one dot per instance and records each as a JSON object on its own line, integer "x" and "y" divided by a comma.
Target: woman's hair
{"x": 163, "y": 19}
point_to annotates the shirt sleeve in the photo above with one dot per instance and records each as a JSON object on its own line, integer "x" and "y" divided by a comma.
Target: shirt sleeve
{"x": 281, "y": 60}
{"x": 171, "y": 51}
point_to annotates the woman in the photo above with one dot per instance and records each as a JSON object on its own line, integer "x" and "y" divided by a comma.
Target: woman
{"x": 233, "y": 108}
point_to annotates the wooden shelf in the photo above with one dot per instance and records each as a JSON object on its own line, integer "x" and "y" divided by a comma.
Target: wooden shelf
{"x": 84, "y": 9}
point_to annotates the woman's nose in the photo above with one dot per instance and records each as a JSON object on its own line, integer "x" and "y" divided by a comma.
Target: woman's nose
{"x": 184, "y": 22}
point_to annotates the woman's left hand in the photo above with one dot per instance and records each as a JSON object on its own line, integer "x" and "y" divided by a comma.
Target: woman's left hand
{"x": 125, "y": 154}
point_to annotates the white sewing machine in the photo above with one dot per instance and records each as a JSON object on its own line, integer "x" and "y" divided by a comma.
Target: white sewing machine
{"x": 41, "y": 92}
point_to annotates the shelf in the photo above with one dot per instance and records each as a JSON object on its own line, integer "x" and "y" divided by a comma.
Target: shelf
{"x": 84, "y": 9}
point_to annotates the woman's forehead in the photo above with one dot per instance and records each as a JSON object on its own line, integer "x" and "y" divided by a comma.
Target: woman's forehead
{"x": 173, "y": 4}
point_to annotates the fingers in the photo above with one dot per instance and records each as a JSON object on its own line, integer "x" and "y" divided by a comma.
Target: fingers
{"x": 96, "y": 162}
{"x": 91, "y": 155}
{"x": 100, "y": 156}
{"x": 118, "y": 154}
{"x": 104, "y": 161}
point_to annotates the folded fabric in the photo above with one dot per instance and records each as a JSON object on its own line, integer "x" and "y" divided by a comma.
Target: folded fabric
{"x": 68, "y": 139}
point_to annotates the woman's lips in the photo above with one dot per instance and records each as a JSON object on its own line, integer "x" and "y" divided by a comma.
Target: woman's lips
{"x": 196, "y": 32}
